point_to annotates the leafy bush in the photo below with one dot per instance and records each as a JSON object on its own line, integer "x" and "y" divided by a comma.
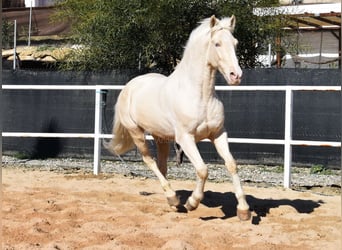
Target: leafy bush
{"x": 125, "y": 34}
{"x": 319, "y": 169}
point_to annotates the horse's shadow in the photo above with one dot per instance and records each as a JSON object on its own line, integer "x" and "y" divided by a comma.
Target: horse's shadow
{"x": 261, "y": 207}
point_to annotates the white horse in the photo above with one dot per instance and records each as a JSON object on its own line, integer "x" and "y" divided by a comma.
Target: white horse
{"x": 183, "y": 108}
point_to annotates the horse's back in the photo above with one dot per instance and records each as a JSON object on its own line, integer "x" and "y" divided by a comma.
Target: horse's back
{"x": 141, "y": 89}
{"x": 145, "y": 81}
{"x": 142, "y": 103}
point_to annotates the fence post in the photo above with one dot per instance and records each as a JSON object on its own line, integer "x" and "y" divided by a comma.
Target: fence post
{"x": 15, "y": 46}
{"x": 288, "y": 137}
{"x": 30, "y": 26}
{"x": 97, "y": 132}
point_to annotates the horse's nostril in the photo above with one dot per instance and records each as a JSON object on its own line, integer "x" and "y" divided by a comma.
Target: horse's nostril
{"x": 233, "y": 75}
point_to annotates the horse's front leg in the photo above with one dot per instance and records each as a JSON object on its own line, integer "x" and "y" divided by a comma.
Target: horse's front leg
{"x": 188, "y": 144}
{"x": 222, "y": 148}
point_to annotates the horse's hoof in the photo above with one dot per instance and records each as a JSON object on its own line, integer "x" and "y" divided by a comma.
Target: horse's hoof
{"x": 189, "y": 207}
{"x": 243, "y": 214}
{"x": 173, "y": 201}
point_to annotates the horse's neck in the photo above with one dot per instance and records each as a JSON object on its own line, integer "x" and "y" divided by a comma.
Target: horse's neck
{"x": 199, "y": 75}
{"x": 208, "y": 83}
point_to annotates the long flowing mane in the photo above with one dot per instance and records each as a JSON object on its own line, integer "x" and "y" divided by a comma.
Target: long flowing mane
{"x": 201, "y": 33}
{"x": 197, "y": 41}
{"x": 204, "y": 29}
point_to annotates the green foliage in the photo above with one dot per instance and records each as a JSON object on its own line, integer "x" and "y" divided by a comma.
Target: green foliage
{"x": 320, "y": 169}
{"x": 279, "y": 169}
{"x": 7, "y": 33}
{"x": 22, "y": 155}
{"x": 119, "y": 34}
{"x": 45, "y": 47}
{"x": 255, "y": 32}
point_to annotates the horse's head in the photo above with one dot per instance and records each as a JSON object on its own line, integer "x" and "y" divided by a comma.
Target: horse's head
{"x": 221, "y": 51}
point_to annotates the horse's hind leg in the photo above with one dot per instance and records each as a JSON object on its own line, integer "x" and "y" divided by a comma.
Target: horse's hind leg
{"x": 222, "y": 148}
{"x": 139, "y": 140}
{"x": 163, "y": 148}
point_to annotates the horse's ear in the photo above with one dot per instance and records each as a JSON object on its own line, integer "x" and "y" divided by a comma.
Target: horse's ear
{"x": 232, "y": 22}
{"x": 213, "y": 21}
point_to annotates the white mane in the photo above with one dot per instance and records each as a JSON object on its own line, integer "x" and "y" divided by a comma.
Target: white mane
{"x": 201, "y": 31}
{"x": 204, "y": 29}
{"x": 201, "y": 35}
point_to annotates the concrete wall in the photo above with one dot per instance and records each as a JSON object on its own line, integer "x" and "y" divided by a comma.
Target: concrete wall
{"x": 248, "y": 114}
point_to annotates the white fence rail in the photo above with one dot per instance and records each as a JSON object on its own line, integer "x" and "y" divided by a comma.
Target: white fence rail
{"x": 97, "y": 135}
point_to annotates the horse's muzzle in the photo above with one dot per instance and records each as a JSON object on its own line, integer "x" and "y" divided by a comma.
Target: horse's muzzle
{"x": 234, "y": 78}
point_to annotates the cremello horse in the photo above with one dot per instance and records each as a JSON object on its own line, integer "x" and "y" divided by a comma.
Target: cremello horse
{"x": 183, "y": 107}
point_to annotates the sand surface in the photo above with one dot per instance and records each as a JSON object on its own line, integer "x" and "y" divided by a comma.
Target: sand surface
{"x": 50, "y": 210}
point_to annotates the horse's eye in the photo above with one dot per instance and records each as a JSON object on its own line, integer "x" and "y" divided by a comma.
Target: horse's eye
{"x": 217, "y": 44}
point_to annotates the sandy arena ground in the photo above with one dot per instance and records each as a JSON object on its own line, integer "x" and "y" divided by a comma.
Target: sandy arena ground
{"x": 50, "y": 210}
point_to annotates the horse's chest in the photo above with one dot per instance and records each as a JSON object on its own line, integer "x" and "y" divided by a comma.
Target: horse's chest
{"x": 208, "y": 126}
{"x": 211, "y": 123}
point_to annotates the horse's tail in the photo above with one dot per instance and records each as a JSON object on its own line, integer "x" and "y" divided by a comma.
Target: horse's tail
{"x": 121, "y": 141}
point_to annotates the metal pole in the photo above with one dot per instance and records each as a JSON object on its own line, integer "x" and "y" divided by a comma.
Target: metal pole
{"x": 139, "y": 66}
{"x": 288, "y": 137}
{"x": 320, "y": 50}
{"x": 30, "y": 25}
{"x": 97, "y": 131}
{"x": 269, "y": 56}
{"x": 15, "y": 45}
